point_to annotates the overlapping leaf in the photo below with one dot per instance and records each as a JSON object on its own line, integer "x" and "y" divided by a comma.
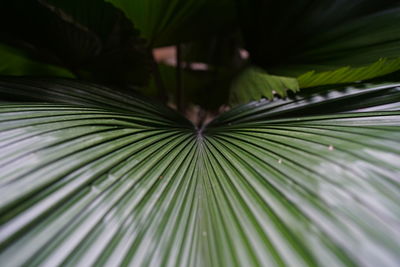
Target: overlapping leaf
{"x": 103, "y": 179}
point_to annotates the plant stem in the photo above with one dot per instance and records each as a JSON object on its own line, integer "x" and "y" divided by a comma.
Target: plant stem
{"x": 179, "y": 79}
{"x": 162, "y": 92}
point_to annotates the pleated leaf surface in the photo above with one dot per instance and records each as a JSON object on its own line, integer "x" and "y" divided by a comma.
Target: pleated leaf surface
{"x": 91, "y": 177}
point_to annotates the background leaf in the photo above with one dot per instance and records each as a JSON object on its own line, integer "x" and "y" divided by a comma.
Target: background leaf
{"x": 254, "y": 83}
{"x": 94, "y": 41}
{"x": 171, "y": 22}
{"x": 15, "y": 62}
{"x": 349, "y": 74}
{"x": 323, "y": 42}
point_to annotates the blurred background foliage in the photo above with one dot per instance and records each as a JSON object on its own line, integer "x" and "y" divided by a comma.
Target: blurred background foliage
{"x": 221, "y": 52}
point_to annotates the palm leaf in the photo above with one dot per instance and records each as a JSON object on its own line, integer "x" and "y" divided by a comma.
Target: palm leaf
{"x": 89, "y": 177}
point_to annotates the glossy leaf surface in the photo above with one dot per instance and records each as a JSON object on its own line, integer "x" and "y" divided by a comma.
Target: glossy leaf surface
{"x": 92, "y": 177}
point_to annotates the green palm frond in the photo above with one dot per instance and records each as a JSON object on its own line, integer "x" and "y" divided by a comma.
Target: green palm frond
{"x": 90, "y": 177}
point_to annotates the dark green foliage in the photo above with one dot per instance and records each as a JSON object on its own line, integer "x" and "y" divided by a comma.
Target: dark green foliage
{"x": 172, "y": 22}
{"x": 323, "y": 42}
{"x": 99, "y": 44}
{"x": 93, "y": 173}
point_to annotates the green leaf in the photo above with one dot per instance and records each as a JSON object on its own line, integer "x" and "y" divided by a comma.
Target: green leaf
{"x": 15, "y": 62}
{"x": 254, "y": 83}
{"x": 323, "y": 42}
{"x": 349, "y": 74}
{"x": 171, "y": 22}
{"x": 99, "y": 179}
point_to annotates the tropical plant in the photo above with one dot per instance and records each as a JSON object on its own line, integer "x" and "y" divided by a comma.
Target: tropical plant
{"x": 271, "y": 137}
